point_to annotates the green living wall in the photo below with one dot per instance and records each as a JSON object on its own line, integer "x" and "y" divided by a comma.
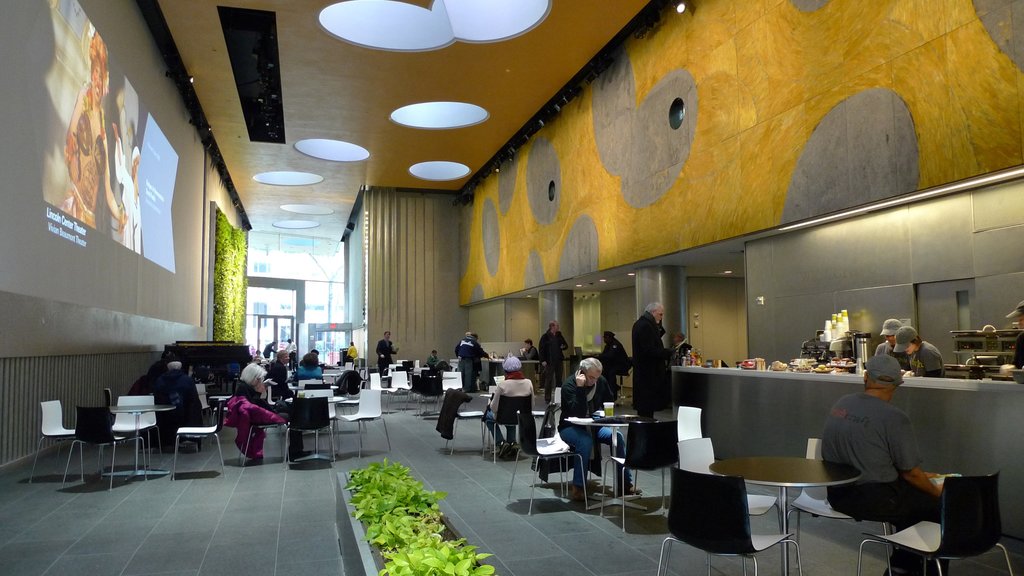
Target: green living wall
{"x": 229, "y": 282}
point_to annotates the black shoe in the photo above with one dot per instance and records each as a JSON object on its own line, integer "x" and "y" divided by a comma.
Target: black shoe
{"x": 294, "y": 456}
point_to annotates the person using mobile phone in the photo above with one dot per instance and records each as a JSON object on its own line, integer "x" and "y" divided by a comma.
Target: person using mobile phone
{"x": 582, "y": 392}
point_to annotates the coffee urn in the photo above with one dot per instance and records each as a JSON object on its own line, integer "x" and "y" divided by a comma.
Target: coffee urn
{"x": 860, "y": 349}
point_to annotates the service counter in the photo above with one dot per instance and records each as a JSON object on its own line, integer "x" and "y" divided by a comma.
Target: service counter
{"x": 964, "y": 426}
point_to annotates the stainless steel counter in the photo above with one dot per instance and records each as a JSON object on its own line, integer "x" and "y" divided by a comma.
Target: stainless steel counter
{"x": 964, "y": 426}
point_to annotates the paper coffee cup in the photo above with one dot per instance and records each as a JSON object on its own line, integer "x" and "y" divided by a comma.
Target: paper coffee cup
{"x": 609, "y": 408}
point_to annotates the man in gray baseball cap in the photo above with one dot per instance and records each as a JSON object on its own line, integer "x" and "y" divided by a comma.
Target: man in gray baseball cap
{"x": 889, "y": 328}
{"x": 866, "y": 431}
{"x": 1016, "y": 314}
{"x": 925, "y": 358}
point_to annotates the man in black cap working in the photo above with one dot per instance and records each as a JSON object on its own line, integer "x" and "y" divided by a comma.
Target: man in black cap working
{"x": 1018, "y": 354}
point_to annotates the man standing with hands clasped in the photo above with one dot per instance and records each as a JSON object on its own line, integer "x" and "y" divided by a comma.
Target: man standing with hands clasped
{"x": 650, "y": 362}
{"x": 866, "y": 431}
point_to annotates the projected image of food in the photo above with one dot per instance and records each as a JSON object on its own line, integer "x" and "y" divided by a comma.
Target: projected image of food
{"x": 119, "y": 169}
{"x": 85, "y": 151}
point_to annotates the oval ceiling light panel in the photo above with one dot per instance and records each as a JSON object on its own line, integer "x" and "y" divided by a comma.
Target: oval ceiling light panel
{"x": 295, "y": 224}
{"x": 495, "y": 20}
{"x": 334, "y": 150}
{"x": 402, "y": 26}
{"x": 439, "y": 115}
{"x": 288, "y": 178}
{"x": 307, "y": 209}
{"x": 439, "y": 170}
{"x": 389, "y": 25}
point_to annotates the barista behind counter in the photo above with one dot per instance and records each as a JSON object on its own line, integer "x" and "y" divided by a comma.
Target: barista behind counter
{"x": 925, "y": 358}
{"x": 1018, "y": 350}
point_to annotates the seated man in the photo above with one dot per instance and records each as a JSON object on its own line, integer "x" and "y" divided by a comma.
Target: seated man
{"x": 865, "y": 431}
{"x": 278, "y": 374}
{"x": 582, "y": 392}
{"x": 514, "y": 385}
{"x": 176, "y": 387}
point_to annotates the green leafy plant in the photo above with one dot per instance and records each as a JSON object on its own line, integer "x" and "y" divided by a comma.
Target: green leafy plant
{"x": 404, "y": 522}
{"x": 229, "y": 281}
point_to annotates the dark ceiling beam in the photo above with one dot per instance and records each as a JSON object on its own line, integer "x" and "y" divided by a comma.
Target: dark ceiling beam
{"x": 177, "y": 72}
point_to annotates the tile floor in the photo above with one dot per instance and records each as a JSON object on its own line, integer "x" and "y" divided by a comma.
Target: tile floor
{"x": 264, "y": 520}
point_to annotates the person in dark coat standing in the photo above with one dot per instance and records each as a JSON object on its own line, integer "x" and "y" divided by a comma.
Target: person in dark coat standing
{"x": 650, "y": 361}
{"x": 384, "y": 351}
{"x": 615, "y": 361}
{"x": 552, "y": 348}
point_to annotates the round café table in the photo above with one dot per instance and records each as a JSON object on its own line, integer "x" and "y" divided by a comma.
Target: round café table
{"x": 137, "y": 410}
{"x": 785, "y": 472}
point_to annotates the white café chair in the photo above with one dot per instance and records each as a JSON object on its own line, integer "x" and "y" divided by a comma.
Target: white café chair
{"x": 124, "y": 423}
{"x": 698, "y": 454}
{"x": 400, "y": 385}
{"x": 369, "y": 409}
{"x": 375, "y": 381}
{"x": 199, "y": 433}
{"x": 688, "y": 423}
{"x": 204, "y": 401}
{"x": 52, "y": 428}
{"x": 350, "y": 366}
{"x": 813, "y": 500}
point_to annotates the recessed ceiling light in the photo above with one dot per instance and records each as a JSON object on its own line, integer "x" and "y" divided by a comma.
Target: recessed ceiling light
{"x": 295, "y": 224}
{"x": 403, "y": 26}
{"x": 631, "y": 274}
{"x": 579, "y": 285}
{"x": 439, "y": 115}
{"x": 288, "y": 178}
{"x": 602, "y": 280}
{"x": 726, "y": 271}
{"x": 439, "y": 170}
{"x": 334, "y": 150}
{"x": 307, "y": 209}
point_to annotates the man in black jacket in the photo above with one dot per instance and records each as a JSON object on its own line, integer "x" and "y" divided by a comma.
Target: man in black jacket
{"x": 552, "y": 346}
{"x": 650, "y": 362}
{"x": 384, "y": 351}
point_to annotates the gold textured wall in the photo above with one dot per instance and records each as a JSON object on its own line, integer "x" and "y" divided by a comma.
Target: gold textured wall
{"x": 766, "y": 75}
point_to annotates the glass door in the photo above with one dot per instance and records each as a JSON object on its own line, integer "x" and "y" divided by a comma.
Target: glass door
{"x": 270, "y": 333}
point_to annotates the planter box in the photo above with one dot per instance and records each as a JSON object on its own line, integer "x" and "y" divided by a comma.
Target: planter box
{"x": 357, "y": 556}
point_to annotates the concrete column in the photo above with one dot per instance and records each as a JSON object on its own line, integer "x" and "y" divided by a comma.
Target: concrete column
{"x": 556, "y": 305}
{"x": 665, "y": 284}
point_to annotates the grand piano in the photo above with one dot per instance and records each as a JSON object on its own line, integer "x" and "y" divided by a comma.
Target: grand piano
{"x": 223, "y": 359}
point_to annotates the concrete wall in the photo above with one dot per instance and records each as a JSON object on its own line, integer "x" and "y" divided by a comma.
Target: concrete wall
{"x": 874, "y": 265}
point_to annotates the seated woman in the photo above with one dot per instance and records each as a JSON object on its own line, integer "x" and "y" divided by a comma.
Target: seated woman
{"x": 582, "y": 392}
{"x": 309, "y": 368}
{"x": 247, "y": 408}
{"x": 176, "y": 387}
{"x": 514, "y": 385}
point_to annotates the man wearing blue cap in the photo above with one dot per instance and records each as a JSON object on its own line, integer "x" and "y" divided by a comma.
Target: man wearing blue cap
{"x": 866, "y": 431}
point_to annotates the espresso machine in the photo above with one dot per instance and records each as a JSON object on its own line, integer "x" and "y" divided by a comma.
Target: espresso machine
{"x": 815, "y": 348}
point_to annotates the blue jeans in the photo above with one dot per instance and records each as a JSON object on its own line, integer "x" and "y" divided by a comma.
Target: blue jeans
{"x": 466, "y": 370}
{"x": 510, "y": 431}
{"x": 583, "y": 443}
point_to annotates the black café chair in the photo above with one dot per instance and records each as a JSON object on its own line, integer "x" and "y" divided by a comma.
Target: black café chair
{"x": 969, "y": 525}
{"x": 508, "y": 408}
{"x": 709, "y": 512}
{"x": 649, "y": 446}
{"x": 93, "y": 426}
{"x": 310, "y": 415}
{"x": 553, "y": 448}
